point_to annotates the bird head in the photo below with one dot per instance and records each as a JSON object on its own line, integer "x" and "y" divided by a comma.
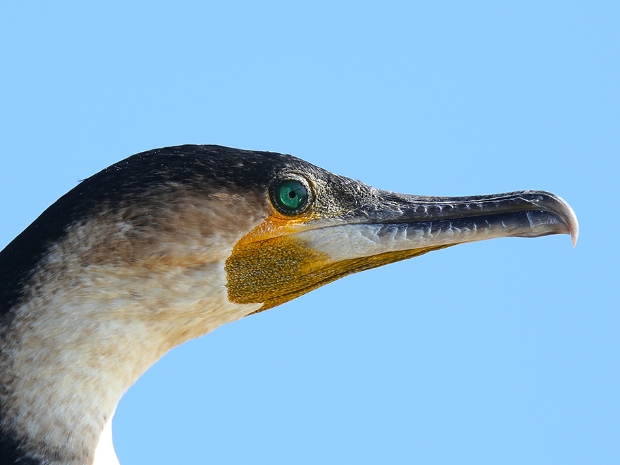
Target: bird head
{"x": 279, "y": 225}
{"x": 169, "y": 244}
{"x": 268, "y": 227}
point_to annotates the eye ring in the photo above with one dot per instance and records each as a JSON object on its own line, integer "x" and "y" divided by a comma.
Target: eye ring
{"x": 291, "y": 194}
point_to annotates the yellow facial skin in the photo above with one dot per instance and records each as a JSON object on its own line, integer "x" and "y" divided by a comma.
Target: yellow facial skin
{"x": 281, "y": 269}
{"x": 271, "y": 266}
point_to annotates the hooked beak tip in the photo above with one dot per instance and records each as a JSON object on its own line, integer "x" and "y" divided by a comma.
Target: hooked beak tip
{"x": 571, "y": 222}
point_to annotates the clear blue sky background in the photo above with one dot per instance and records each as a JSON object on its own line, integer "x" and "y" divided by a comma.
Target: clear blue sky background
{"x": 500, "y": 352}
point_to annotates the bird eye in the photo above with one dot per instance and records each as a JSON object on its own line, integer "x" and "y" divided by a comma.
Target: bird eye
{"x": 290, "y": 196}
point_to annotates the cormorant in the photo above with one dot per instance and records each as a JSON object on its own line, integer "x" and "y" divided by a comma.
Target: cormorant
{"x": 169, "y": 244}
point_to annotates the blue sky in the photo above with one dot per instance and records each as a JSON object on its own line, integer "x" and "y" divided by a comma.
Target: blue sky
{"x": 500, "y": 352}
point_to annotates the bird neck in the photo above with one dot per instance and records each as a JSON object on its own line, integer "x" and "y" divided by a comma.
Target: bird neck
{"x": 89, "y": 301}
{"x": 77, "y": 342}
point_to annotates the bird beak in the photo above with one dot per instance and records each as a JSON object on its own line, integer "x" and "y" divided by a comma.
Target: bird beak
{"x": 395, "y": 223}
{"x": 384, "y": 228}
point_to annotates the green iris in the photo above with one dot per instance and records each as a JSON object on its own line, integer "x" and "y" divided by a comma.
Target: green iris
{"x": 290, "y": 196}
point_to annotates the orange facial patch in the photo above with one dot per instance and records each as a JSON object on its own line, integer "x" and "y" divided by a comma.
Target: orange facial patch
{"x": 268, "y": 263}
{"x": 270, "y": 266}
